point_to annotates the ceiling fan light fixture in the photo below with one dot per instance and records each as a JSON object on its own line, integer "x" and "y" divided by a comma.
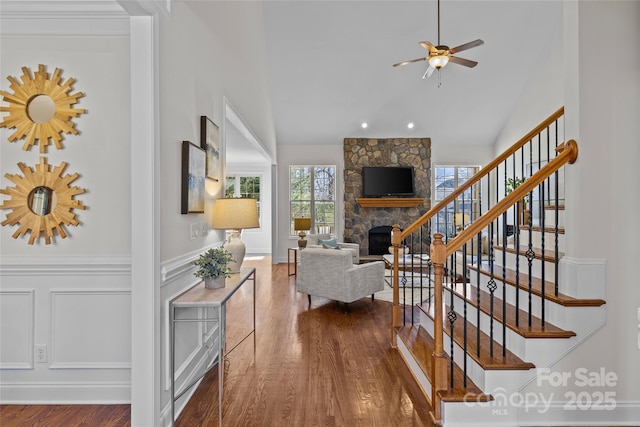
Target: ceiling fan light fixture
{"x": 438, "y": 61}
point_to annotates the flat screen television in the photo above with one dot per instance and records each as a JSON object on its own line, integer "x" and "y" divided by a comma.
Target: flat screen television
{"x": 390, "y": 181}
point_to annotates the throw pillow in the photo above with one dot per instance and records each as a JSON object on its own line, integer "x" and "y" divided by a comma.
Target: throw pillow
{"x": 331, "y": 243}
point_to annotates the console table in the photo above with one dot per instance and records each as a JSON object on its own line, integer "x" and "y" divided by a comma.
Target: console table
{"x": 200, "y": 297}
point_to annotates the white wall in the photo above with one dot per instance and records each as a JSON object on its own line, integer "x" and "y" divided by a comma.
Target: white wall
{"x": 72, "y": 295}
{"x": 198, "y": 69}
{"x": 601, "y": 114}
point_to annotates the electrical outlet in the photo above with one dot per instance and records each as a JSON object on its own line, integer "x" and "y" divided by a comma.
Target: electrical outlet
{"x": 205, "y": 229}
{"x": 41, "y": 353}
{"x": 194, "y": 231}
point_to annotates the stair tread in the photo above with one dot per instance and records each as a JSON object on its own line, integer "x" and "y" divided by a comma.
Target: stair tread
{"x": 536, "y": 287}
{"x": 547, "y": 255}
{"x": 538, "y": 229}
{"x": 488, "y": 362}
{"x": 420, "y": 343}
{"x": 522, "y": 327}
{"x": 551, "y": 206}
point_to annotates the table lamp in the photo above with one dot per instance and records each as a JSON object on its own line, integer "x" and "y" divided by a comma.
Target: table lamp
{"x": 302, "y": 225}
{"x": 461, "y": 219}
{"x": 235, "y": 214}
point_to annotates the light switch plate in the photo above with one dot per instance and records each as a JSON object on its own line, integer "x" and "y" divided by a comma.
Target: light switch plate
{"x": 194, "y": 231}
{"x": 204, "y": 229}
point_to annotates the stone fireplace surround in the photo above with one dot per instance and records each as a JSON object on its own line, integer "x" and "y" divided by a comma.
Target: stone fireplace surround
{"x": 359, "y": 152}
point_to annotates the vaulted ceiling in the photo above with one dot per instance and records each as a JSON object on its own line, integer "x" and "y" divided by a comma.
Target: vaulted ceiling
{"x": 331, "y": 68}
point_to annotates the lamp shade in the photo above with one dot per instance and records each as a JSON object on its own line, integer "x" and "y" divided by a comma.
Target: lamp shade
{"x": 238, "y": 213}
{"x": 461, "y": 219}
{"x": 302, "y": 224}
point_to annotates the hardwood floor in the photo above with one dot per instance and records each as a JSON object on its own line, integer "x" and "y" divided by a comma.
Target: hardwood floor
{"x": 327, "y": 365}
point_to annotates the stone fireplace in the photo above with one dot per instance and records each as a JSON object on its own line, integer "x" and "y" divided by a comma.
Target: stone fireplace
{"x": 359, "y": 152}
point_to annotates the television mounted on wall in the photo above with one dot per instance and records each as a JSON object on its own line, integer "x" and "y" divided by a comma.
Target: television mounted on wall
{"x": 387, "y": 181}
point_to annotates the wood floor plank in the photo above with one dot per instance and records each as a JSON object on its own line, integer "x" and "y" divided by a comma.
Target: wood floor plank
{"x": 327, "y": 365}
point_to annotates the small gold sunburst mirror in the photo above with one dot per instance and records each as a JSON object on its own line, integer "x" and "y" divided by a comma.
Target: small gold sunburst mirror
{"x": 40, "y": 108}
{"x": 42, "y": 201}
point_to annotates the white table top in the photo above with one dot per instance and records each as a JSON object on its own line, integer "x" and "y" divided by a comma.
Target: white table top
{"x": 199, "y": 296}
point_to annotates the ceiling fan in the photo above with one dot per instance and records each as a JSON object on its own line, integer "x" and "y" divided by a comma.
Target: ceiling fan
{"x": 440, "y": 55}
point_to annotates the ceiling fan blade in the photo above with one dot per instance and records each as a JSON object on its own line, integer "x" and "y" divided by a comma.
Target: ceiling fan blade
{"x": 428, "y": 73}
{"x": 399, "y": 64}
{"x": 428, "y": 46}
{"x": 466, "y": 46}
{"x": 462, "y": 61}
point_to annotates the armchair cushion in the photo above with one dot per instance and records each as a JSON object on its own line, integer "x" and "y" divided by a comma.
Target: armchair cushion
{"x": 314, "y": 241}
{"x": 332, "y": 243}
{"x": 331, "y": 274}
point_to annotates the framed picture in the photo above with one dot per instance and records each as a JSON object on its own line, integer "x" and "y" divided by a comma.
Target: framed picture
{"x": 210, "y": 142}
{"x": 193, "y": 177}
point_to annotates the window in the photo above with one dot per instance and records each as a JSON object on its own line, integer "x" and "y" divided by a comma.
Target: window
{"x": 243, "y": 186}
{"x": 447, "y": 179}
{"x": 312, "y": 195}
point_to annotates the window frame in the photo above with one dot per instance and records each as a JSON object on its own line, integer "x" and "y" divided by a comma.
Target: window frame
{"x": 448, "y": 220}
{"x": 313, "y": 200}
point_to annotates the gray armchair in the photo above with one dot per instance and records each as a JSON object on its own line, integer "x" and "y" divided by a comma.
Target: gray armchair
{"x": 330, "y": 273}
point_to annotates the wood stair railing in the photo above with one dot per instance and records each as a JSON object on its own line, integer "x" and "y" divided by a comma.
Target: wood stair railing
{"x": 489, "y": 354}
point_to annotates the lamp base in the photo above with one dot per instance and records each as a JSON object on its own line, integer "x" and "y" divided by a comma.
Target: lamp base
{"x": 302, "y": 243}
{"x": 237, "y": 249}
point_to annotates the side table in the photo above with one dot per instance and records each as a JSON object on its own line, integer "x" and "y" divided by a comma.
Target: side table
{"x": 200, "y": 297}
{"x": 293, "y": 251}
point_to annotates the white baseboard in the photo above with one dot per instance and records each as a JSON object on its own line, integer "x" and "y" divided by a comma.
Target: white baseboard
{"x": 104, "y": 393}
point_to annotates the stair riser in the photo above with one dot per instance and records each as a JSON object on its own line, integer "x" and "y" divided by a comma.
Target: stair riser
{"x": 516, "y": 343}
{"x": 536, "y": 240}
{"x": 536, "y": 265}
{"x": 554, "y": 313}
{"x": 474, "y": 371}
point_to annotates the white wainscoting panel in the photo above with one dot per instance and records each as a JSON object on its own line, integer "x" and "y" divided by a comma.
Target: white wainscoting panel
{"x": 90, "y": 328}
{"x": 17, "y": 312}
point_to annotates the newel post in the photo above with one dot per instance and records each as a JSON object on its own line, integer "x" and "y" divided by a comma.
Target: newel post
{"x": 396, "y": 310}
{"x": 439, "y": 366}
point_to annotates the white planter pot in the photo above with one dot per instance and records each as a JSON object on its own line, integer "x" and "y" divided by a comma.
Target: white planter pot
{"x": 214, "y": 283}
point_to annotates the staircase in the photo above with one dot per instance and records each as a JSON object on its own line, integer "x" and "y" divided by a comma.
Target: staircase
{"x": 502, "y": 305}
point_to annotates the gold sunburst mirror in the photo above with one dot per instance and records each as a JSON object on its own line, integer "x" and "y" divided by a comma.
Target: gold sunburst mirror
{"x": 40, "y": 108}
{"x": 42, "y": 201}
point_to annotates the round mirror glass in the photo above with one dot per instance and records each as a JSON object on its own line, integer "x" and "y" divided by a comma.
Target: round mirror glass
{"x": 41, "y": 109}
{"x": 41, "y": 200}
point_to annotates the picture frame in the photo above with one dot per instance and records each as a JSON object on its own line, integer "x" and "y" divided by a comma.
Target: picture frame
{"x": 210, "y": 142}
{"x": 193, "y": 178}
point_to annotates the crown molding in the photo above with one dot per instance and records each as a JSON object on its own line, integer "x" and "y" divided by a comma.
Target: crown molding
{"x": 63, "y": 18}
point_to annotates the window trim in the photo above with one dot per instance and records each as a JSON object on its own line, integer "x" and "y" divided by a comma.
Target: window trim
{"x": 292, "y": 233}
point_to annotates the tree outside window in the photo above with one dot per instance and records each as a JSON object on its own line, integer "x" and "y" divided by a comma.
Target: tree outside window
{"x": 312, "y": 195}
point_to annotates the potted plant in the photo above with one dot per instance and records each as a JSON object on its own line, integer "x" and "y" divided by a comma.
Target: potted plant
{"x": 523, "y": 212}
{"x": 213, "y": 267}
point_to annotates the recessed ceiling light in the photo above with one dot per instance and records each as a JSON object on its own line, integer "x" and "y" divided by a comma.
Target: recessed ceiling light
{"x": 410, "y": 125}
{"x": 364, "y": 125}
